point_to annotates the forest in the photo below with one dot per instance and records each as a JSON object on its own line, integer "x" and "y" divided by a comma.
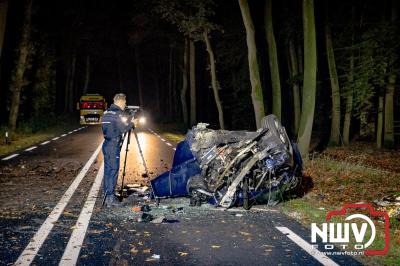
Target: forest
{"x": 327, "y": 69}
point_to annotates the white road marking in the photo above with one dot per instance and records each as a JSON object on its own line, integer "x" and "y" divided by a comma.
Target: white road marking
{"x": 63, "y": 135}
{"x": 70, "y": 132}
{"x": 31, "y": 148}
{"x": 10, "y": 157}
{"x": 71, "y": 252}
{"x": 46, "y": 142}
{"x": 324, "y": 260}
{"x": 56, "y": 138}
{"x": 169, "y": 144}
{"x": 37, "y": 240}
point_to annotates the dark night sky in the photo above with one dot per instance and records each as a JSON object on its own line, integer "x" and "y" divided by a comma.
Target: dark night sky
{"x": 104, "y": 30}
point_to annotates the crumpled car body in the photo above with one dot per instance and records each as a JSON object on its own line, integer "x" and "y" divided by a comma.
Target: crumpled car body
{"x": 231, "y": 168}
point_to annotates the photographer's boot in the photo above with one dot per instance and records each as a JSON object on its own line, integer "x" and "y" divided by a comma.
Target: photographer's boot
{"x": 112, "y": 201}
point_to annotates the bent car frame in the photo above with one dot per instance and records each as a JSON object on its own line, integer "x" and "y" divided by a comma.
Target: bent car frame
{"x": 233, "y": 168}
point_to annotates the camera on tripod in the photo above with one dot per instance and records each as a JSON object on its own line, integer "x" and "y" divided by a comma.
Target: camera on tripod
{"x": 136, "y": 112}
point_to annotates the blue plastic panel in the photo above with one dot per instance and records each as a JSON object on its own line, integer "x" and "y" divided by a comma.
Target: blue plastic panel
{"x": 173, "y": 183}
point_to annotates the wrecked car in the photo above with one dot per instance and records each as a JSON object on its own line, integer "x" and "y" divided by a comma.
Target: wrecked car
{"x": 232, "y": 168}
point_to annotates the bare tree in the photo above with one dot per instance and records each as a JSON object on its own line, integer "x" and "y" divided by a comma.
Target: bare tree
{"x": 335, "y": 121}
{"x": 185, "y": 82}
{"x": 256, "y": 88}
{"x": 273, "y": 61}
{"x": 18, "y": 81}
{"x": 310, "y": 78}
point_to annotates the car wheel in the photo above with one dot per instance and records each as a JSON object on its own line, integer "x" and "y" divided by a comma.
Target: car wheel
{"x": 196, "y": 182}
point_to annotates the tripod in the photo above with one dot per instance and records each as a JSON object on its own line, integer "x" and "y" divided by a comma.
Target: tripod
{"x": 128, "y": 141}
{"x": 126, "y": 156}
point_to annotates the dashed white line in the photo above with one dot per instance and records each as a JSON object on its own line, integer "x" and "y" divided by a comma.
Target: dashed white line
{"x": 10, "y": 157}
{"x": 63, "y": 135}
{"x": 169, "y": 144}
{"x": 70, "y": 132}
{"x": 46, "y": 142}
{"x": 324, "y": 260}
{"x": 56, "y": 138}
{"x": 31, "y": 148}
{"x": 38, "y": 239}
{"x": 71, "y": 252}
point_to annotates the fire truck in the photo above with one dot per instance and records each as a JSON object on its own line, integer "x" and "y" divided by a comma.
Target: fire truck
{"x": 91, "y": 108}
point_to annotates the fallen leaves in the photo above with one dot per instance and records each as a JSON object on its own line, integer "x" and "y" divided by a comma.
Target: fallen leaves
{"x": 134, "y": 251}
{"x": 244, "y": 233}
{"x": 147, "y": 250}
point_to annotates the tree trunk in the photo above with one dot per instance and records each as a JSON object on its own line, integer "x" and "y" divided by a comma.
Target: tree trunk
{"x": 389, "y": 131}
{"x": 295, "y": 86}
{"x": 139, "y": 76}
{"x": 72, "y": 85}
{"x": 214, "y": 81}
{"x": 388, "y": 140}
{"x": 184, "y": 84}
{"x": 3, "y": 21}
{"x": 349, "y": 93}
{"x": 256, "y": 88}
{"x": 170, "y": 77}
{"x": 87, "y": 75}
{"x": 17, "y": 82}
{"x": 300, "y": 58}
{"x": 273, "y": 61}
{"x": 310, "y": 78}
{"x": 349, "y": 105}
{"x": 158, "y": 97}
{"x": 192, "y": 75}
{"x": 379, "y": 127}
{"x": 174, "y": 88}
{"x": 335, "y": 125}
{"x": 66, "y": 90}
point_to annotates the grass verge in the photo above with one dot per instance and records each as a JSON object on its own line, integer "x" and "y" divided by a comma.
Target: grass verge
{"x": 172, "y": 131}
{"x": 24, "y": 138}
{"x": 338, "y": 182}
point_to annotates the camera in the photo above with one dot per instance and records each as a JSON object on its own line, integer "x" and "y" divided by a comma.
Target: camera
{"x": 136, "y": 112}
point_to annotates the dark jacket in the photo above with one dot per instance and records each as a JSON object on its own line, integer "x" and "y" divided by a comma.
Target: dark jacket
{"x": 113, "y": 125}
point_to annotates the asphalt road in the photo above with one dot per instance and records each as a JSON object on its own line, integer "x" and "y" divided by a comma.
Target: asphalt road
{"x": 50, "y": 212}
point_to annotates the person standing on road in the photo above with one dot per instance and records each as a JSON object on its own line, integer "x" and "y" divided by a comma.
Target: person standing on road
{"x": 114, "y": 125}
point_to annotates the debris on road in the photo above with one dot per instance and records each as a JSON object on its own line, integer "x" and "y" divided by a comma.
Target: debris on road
{"x": 145, "y": 208}
{"x": 137, "y": 209}
{"x": 158, "y": 220}
{"x": 145, "y": 218}
{"x": 156, "y": 256}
